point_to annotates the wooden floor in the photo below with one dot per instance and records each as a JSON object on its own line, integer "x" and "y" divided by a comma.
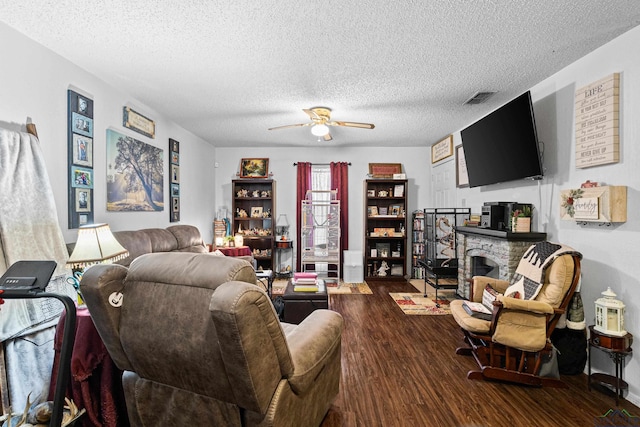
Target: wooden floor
{"x": 400, "y": 370}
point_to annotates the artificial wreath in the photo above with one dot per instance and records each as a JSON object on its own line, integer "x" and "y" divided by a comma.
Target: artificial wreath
{"x": 569, "y": 199}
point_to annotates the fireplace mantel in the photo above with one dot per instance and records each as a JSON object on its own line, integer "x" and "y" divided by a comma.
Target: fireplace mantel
{"x": 504, "y": 248}
{"x": 503, "y": 234}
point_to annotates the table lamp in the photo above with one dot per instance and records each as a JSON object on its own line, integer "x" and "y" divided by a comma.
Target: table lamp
{"x": 95, "y": 245}
{"x": 282, "y": 227}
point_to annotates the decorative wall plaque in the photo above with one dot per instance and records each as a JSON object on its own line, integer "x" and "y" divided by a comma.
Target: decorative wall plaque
{"x": 597, "y": 124}
{"x": 441, "y": 150}
{"x": 133, "y": 120}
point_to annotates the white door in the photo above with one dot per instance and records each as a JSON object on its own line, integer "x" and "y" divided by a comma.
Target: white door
{"x": 443, "y": 185}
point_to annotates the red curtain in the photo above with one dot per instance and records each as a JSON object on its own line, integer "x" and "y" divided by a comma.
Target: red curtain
{"x": 340, "y": 182}
{"x": 304, "y": 184}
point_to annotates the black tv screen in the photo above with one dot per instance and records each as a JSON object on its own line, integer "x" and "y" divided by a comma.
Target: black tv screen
{"x": 503, "y": 146}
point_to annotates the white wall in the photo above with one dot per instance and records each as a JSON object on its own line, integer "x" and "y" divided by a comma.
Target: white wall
{"x": 414, "y": 162}
{"x": 611, "y": 254}
{"x": 34, "y": 83}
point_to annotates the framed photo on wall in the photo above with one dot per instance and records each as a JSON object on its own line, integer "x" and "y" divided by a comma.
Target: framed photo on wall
{"x": 82, "y": 150}
{"x": 462, "y": 178}
{"x": 175, "y": 174}
{"x": 83, "y": 200}
{"x": 82, "y": 125}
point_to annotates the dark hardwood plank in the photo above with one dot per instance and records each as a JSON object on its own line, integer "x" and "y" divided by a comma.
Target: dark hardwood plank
{"x": 400, "y": 370}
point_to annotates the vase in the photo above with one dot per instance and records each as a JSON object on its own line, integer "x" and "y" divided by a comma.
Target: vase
{"x": 521, "y": 225}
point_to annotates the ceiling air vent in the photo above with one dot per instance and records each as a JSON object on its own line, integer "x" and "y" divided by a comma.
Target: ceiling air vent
{"x": 479, "y": 98}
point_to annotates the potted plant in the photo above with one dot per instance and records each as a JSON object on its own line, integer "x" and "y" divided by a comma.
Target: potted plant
{"x": 521, "y": 220}
{"x": 229, "y": 241}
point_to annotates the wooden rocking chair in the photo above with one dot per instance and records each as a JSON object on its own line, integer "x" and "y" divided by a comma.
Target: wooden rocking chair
{"x": 511, "y": 346}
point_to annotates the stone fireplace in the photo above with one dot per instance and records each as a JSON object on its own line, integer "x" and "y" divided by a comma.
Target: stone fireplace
{"x": 490, "y": 253}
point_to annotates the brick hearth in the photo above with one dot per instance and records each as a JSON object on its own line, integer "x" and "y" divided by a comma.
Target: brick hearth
{"x": 503, "y": 248}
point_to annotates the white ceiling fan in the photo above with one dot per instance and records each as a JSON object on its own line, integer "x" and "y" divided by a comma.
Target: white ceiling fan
{"x": 321, "y": 120}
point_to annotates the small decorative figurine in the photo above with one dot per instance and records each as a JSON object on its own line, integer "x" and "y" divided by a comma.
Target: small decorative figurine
{"x": 382, "y": 271}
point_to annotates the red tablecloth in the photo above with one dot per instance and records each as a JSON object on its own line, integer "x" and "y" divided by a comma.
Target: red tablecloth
{"x": 236, "y": 251}
{"x": 95, "y": 383}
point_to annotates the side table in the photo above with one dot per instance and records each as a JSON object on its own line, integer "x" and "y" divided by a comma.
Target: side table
{"x": 617, "y": 348}
{"x": 284, "y": 250}
{"x": 96, "y": 382}
{"x": 266, "y": 278}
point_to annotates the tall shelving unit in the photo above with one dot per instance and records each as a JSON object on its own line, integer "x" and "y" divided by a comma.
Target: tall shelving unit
{"x": 385, "y": 241}
{"x": 254, "y": 209}
{"x": 320, "y": 240}
{"x": 417, "y": 245}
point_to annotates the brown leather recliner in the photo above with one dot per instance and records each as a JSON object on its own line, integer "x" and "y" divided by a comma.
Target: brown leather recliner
{"x": 201, "y": 344}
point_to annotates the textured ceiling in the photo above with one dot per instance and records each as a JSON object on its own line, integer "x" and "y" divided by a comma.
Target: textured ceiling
{"x": 229, "y": 70}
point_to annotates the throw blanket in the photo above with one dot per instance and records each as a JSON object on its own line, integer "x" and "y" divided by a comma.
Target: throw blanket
{"x": 529, "y": 275}
{"x": 29, "y": 230}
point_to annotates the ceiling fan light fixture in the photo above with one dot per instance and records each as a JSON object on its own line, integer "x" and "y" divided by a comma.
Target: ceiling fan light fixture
{"x": 320, "y": 130}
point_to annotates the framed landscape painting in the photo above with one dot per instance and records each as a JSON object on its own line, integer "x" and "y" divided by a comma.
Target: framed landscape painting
{"x": 254, "y": 168}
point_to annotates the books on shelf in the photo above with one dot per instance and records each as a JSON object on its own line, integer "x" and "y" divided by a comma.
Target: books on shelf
{"x": 476, "y": 309}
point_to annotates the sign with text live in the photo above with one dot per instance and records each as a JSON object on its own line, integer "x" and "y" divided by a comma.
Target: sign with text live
{"x": 597, "y": 122}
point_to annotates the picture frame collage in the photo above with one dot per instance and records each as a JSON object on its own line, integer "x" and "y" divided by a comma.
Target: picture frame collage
{"x": 174, "y": 173}
{"x": 80, "y": 159}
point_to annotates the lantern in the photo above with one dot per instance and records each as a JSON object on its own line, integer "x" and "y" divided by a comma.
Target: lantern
{"x": 610, "y": 314}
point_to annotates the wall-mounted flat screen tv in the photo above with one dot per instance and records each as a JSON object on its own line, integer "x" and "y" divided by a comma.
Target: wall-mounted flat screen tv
{"x": 503, "y": 146}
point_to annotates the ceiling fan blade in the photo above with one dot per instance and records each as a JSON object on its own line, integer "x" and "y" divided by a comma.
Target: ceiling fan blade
{"x": 353, "y": 124}
{"x": 291, "y": 126}
{"x": 328, "y": 137}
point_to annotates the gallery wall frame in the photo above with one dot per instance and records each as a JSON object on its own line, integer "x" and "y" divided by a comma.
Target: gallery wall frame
{"x": 174, "y": 171}
{"x": 80, "y": 200}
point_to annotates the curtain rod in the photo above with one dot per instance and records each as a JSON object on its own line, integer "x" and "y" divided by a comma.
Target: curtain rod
{"x": 320, "y": 164}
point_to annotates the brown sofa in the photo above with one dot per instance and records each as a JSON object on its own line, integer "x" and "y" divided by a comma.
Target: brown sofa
{"x": 176, "y": 238}
{"x": 200, "y": 344}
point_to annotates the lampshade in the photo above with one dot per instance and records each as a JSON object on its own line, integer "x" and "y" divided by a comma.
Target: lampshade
{"x": 96, "y": 245}
{"x": 320, "y": 130}
{"x": 282, "y": 221}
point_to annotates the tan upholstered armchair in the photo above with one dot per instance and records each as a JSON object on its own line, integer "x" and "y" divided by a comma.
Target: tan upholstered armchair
{"x": 511, "y": 345}
{"x": 201, "y": 344}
